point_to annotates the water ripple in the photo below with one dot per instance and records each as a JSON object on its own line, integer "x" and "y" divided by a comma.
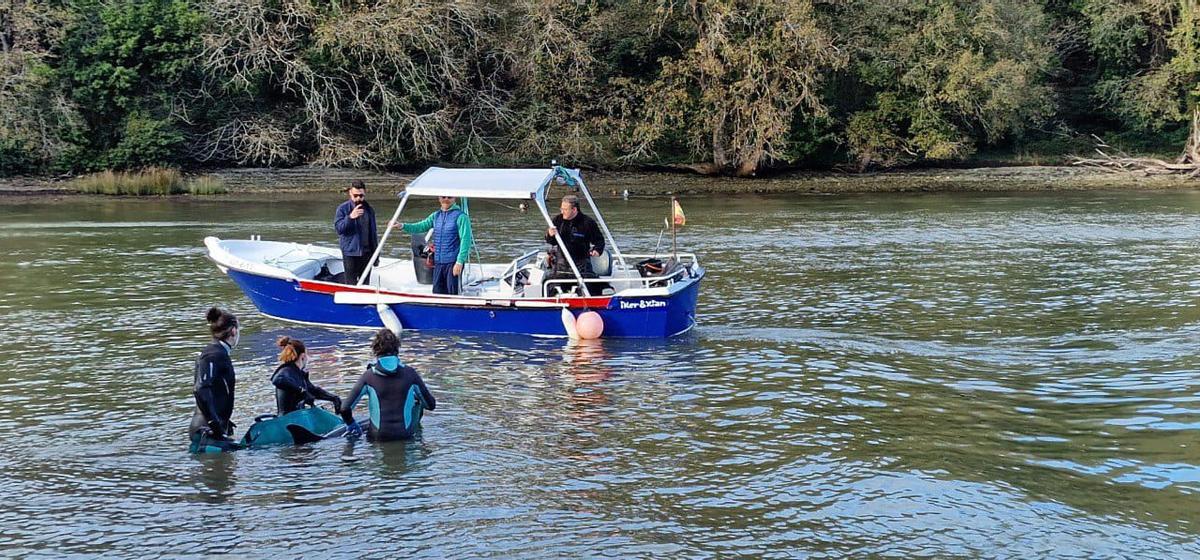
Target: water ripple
{"x": 943, "y": 375}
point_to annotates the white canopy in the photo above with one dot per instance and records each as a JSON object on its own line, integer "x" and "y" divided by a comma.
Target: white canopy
{"x": 481, "y": 183}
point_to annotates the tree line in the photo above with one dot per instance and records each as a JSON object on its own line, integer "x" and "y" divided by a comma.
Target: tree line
{"x": 720, "y": 86}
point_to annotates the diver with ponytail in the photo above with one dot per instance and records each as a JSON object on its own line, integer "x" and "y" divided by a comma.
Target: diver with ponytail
{"x": 214, "y": 383}
{"x": 293, "y": 389}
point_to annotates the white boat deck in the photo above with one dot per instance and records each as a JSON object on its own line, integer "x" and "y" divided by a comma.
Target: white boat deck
{"x": 521, "y": 278}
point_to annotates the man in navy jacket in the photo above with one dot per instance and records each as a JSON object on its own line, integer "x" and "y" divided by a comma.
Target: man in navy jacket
{"x": 354, "y": 222}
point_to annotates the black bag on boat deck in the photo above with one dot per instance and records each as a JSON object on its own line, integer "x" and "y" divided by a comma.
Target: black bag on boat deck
{"x": 326, "y": 276}
{"x": 651, "y": 267}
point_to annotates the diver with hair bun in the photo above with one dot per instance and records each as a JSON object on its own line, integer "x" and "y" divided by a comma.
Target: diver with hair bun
{"x": 214, "y": 384}
{"x": 293, "y": 389}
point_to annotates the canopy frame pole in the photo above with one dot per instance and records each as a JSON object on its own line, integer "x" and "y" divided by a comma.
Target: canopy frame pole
{"x": 608, "y": 237}
{"x": 475, "y": 246}
{"x": 371, "y": 263}
{"x": 540, "y": 199}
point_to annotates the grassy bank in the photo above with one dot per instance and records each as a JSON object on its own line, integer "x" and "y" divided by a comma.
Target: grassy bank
{"x": 644, "y": 183}
{"x": 152, "y": 181}
{"x": 281, "y": 182}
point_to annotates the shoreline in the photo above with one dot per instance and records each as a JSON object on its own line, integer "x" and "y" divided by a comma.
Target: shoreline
{"x": 657, "y": 183}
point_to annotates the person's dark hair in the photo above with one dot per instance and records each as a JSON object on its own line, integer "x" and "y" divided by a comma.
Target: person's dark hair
{"x": 385, "y": 343}
{"x": 356, "y": 184}
{"x": 221, "y": 323}
{"x": 572, "y": 200}
{"x": 292, "y": 349}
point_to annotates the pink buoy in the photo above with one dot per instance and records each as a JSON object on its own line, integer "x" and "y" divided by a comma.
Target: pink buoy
{"x": 589, "y": 325}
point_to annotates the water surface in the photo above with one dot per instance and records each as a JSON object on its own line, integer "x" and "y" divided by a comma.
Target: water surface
{"x": 978, "y": 375}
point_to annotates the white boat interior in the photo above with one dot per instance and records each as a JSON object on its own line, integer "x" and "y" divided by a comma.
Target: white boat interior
{"x": 527, "y": 276}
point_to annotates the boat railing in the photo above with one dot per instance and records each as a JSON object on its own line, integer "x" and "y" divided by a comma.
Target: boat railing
{"x": 514, "y": 267}
{"x": 617, "y": 283}
{"x": 686, "y": 259}
{"x": 569, "y": 285}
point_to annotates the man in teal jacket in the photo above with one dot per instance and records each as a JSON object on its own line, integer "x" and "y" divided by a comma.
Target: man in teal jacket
{"x": 452, "y": 241}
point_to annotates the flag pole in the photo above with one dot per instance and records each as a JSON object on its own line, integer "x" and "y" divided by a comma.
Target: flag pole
{"x": 674, "y": 247}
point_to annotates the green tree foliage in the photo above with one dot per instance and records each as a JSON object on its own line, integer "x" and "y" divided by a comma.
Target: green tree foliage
{"x": 1151, "y": 49}
{"x": 720, "y": 86}
{"x": 549, "y": 52}
{"x": 127, "y": 64}
{"x": 751, "y": 68}
{"x": 344, "y": 83}
{"x": 37, "y": 119}
{"x": 946, "y": 76}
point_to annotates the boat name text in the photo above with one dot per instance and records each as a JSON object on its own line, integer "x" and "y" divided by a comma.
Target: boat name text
{"x": 642, "y": 304}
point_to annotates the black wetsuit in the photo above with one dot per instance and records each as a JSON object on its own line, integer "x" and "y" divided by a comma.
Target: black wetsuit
{"x": 293, "y": 389}
{"x": 213, "y": 390}
{"x": 581, "y": 235}
{"x": 398, "y": 396}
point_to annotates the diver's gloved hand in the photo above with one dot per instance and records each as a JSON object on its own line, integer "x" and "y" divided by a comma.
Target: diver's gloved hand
{"x": 353, "y": 430}
{"x": 216, "y": 429}
{"x": 337, "y": 403}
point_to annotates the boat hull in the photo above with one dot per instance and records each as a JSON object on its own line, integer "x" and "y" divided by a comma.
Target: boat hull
{"x": 624, "y": 317}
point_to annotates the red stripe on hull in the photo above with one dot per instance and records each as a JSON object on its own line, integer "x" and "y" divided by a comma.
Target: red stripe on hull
{"x": 331, "y": 288}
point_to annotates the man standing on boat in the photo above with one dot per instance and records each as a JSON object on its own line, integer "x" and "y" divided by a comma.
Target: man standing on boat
{"x": 580, "y": 234}
{"x": 452, "y": 240}
{"x": 354, "y": 222}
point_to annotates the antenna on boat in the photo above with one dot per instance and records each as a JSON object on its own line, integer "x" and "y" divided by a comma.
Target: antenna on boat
{"x": 660, "y": 234}
{"x": 674, "y": 246}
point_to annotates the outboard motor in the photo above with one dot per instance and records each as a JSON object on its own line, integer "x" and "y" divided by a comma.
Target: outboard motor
{"x": 422, "y": 259}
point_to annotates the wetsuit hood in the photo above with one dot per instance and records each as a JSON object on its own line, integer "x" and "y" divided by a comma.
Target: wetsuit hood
{"x": 387, "y": 365}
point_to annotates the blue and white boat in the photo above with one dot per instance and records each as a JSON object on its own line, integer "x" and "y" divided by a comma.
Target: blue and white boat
{"x": 292, "y": 281}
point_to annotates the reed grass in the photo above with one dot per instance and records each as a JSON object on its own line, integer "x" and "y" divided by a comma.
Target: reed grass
{"x": 206, "y": 184}
{"x": 152, "y": 181}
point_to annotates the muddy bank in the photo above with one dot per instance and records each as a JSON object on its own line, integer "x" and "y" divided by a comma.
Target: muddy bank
{"x": 609, "y": 183}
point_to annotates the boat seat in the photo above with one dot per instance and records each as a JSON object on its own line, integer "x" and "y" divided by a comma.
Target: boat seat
{"x": 308, "y": 268}
{"x": 602, "y": 264}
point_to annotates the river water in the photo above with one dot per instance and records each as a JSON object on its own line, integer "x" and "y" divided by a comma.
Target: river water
{"x": 976, "y": 375}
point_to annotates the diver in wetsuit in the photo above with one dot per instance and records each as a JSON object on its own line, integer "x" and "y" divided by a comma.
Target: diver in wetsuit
{"x": 293, "y": 389}
{"x": 397, "y": 393}
{"x": 214, "y": 383}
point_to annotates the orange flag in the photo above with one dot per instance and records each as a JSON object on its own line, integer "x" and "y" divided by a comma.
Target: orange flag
{"x": 678, "y": 216}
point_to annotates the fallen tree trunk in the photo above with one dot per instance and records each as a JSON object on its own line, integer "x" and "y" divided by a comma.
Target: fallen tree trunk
{"x": 1112, "y": 159}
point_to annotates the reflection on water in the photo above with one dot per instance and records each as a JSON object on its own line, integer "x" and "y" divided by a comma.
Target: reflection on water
{"x": 944, "y": 375}
{"x": 215, "y": 477}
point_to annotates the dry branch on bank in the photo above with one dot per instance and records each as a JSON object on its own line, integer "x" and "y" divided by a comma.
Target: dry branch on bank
{"x": 1116, "y": 160}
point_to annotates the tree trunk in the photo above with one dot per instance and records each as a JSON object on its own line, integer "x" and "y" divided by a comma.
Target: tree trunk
{"x": 749, "y": 164}
{"x": 705, "y": 168}
{"x": 720, "y": 160}
{"x": 1191, "y": 152}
